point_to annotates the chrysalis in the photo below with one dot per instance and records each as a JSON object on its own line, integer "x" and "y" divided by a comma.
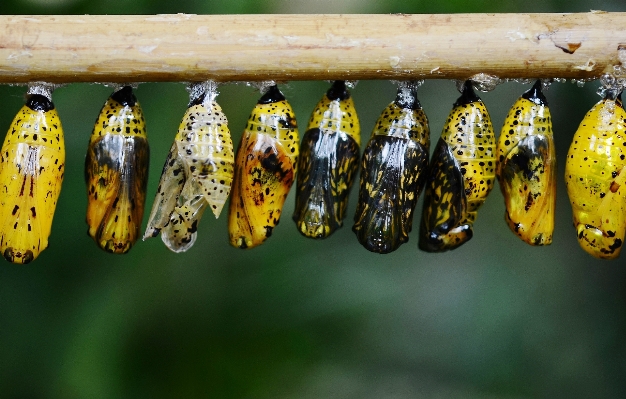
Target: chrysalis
{"x": 393, "y": 174}
{"x": 198, "y": 172}
{"x": 461, "y": 174}
{"x": 329, "y": 159}
{"x": 31, "y": 172}
{"x": 595, "y": 175}
{"x": 526, "y": 168}
{"x": 116, "y": 173}
{"x": 265, "y": 170}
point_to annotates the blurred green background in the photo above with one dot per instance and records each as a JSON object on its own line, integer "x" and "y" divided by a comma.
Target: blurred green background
{"x": 298, "y": 318}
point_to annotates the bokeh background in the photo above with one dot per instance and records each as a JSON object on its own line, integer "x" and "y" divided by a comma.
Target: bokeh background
{"x": 299, "y": 318}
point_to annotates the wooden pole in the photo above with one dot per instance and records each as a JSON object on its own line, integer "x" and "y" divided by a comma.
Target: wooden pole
{"x": 114, "y": 48}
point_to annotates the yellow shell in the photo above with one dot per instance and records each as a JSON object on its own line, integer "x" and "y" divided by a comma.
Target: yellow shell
{"x": 264, "y": 172}
{"x": 462, "y": 173}
{"x": 116, "y": 173}
{"x": 393, "y": 174}
{"x": 31, "y": 172}
{"x": 595, "y": 175}
{"x": 198, "y": 173}
{"x": 526, "y": 168}
{"x": 329, "y": 159}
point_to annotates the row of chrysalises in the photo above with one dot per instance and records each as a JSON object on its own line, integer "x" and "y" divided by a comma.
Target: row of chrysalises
{"x": 201, "y": 168}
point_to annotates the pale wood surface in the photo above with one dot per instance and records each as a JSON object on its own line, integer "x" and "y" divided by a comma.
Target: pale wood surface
{"x": 184, "y": 47}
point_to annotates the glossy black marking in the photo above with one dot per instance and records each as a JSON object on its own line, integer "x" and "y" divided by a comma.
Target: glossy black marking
{"x": 408, "y": 102}
{"x": 28, "y": 257}
{"x": 617, "y": 243}
{"x": 194, "y": 227}
{"x": 120, "y": 154}
{"x": 273, "y": 95}
{"x": 37, "y": 102}
{"x": 527, "y": 150}
{"x": 120, "y": 166}
{"x": 8, "y": 254}
{"x": 535, "y": 94}
{"x": 327, "y": 162}
{"x": 393, "y": 168}
{"x": 338, "y": 91}
{"x": 444, "y": 176}
{"x": 125, "y": 96}
{"x": 468, "y": 95}
{"x": 271, "y": 163}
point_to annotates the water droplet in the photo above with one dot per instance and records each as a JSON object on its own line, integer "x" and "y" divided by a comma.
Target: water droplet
{"x": 198, "y": 89}
{"x": 484, "y": 82}
{"x": 524, "y": 81}
{"x": 611, "y": 86}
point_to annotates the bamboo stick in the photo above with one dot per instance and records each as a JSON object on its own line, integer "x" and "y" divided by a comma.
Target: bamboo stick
{"x": 114, "y": 48}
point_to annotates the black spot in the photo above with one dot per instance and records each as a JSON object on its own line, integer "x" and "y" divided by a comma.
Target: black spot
{"x": 28, "y": 257}
{"x": 194, "y": 227}
{"x": 616, "y": 244}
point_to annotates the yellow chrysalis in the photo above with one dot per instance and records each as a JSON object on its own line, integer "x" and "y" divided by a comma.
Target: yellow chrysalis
{"x": 329, "y": 159}
{"x": 595, "y": 175}
{"x": 526, "y": 168}
{"x": 393, "y": 173}
{"x": 31, "y": 172}
{"x": 462, "y": 173}
{"x": 265, "y": 170}
{"x": 116, "y": 173}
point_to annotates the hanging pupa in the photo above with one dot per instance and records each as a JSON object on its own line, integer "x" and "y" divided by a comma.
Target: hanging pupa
{"x": 393, "y": 173}
{"x": 461, "y": 175}
{"x": 265, "y": 170}
{"x": 526, "y": 168}
{"x": 329, "y": 159}
{"x": 32, "y": 164}
{"x": 116, "y": 173}
{"x": 198, "y": 171}
{"x": 595, "y": 176}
